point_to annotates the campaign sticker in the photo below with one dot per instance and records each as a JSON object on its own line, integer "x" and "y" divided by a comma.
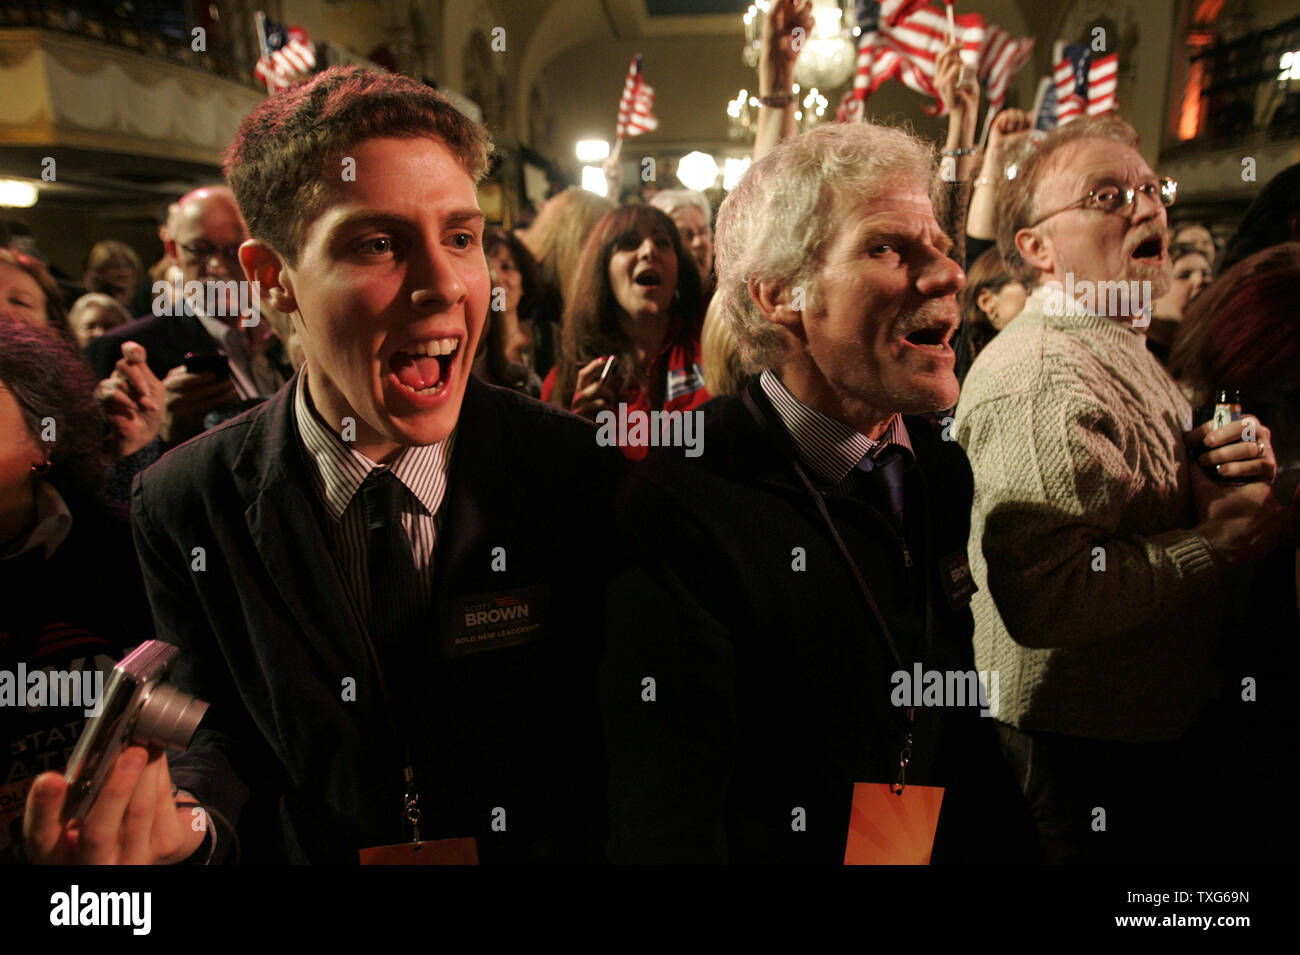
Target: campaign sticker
{"x": 496, "y": 621}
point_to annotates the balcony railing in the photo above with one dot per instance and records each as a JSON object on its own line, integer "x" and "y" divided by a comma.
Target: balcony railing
{"x": 159, "y": 30}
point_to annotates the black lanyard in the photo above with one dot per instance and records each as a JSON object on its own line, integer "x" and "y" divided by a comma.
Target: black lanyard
{"x": 905, "y": 754}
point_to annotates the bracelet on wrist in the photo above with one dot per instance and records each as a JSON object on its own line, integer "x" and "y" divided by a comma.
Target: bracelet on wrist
{"x": 958, "y": 153}
{"x": 982, "y": 181}
{"x": 777, "y": 100}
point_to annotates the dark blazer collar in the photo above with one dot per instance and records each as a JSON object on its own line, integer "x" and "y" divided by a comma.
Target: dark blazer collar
{"x": 285, "y": 522}
{"x": 284, "y": 518}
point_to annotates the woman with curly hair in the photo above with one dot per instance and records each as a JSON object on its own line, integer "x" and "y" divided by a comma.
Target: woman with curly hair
{"x": 636, "y": 298}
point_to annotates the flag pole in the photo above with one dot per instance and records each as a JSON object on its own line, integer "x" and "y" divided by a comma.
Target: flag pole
{"x": 260, "y": 17}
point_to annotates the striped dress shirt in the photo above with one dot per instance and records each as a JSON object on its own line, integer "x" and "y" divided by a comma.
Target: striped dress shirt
{"x": 830, "y": 448}
{"x": 338, "y": 472}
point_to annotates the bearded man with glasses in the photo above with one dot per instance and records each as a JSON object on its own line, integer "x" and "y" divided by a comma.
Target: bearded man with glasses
{"x": 1099, "y": 546}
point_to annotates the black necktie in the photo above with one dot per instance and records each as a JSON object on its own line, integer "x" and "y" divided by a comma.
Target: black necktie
{"x": 879, "y": 481}
{"x": 394, "y": 581}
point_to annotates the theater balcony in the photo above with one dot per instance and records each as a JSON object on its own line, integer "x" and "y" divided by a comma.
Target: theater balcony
{"x": 1235, "y": 118}
{"x": 110, "y": 119}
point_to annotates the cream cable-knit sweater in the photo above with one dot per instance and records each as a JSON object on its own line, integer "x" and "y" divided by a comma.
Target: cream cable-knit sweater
{"x": 1074, "y": 433}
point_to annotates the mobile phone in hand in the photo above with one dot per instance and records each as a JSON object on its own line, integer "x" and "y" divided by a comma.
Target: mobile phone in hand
{"x": 214, "y": 363}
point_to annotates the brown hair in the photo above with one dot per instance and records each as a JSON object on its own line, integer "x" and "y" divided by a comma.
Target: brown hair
{"x": 591, "y": 325}
{"x": 48, "y": 379}
{"x": 986, "y": 272}
{"x": 1017, "y": 199}
{"x": 101, "y": 257}
{"x": 285, "y": 147}
{"x": 494, "y": 340}
{"x": 56, "y": 314}
{"x": 1242, "y": 331}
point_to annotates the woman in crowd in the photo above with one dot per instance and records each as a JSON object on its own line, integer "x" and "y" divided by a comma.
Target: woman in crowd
{"x": 636, "y": 297}
{"x": 1198, "y": 237}
{"x": 1192, "y": 271}
{"x": 28, "y": 291}
{"x": 61, "y": 548}
{"x": 556, "y": 239}
{"x": 506, "y": 351}
{"x": 989, "y": 301}
{"x": 94, "y": 314}
{"x": 114, "y": 269}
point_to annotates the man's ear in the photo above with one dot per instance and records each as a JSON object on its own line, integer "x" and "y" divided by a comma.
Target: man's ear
{"x": 778, "y": 304}
{"x": 262, "y": 264}
{"x": 1036, "y": 249}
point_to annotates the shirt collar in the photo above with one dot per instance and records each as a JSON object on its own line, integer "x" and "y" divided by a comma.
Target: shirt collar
{"x": 53, "y": 523}
{"x": 338, "y": 470}
{"x": 829, "y": 447}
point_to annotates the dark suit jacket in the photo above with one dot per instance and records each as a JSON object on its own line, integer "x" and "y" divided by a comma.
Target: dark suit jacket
{"x": 166, "y": 339}
{"x": 773, "y": 681}
{"x": 307, "y": 769}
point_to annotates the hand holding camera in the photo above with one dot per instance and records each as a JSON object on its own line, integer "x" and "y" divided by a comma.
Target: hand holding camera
{"x": 116, "y": 805}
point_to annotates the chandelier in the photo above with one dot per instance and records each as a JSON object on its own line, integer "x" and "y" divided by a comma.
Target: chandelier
{"x": 828, "y": 56}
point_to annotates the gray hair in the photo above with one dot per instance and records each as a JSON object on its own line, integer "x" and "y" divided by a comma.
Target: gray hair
{"x": 776, "y": 224}
{"x": 101, "y": 299}
{"x": 670, "y": 200}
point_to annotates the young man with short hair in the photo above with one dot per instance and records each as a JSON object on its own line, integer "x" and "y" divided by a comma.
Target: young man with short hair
{"x": 374, "y": 577}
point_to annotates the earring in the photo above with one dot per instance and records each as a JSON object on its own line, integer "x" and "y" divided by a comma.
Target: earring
{"x": 43, "y": 468}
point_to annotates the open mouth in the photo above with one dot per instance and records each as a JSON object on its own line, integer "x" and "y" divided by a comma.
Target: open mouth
{"x": 932, "y": 336}
{"x": 424, "y": 368}
{"x": 649, "y": 278}
{"x": 1150, "y": 248}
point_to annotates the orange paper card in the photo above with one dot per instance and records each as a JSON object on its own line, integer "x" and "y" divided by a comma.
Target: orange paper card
{"x": 885, "y": 829}
{"x": 435, "y": 852}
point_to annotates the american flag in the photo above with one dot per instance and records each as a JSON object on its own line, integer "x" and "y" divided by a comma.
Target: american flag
{"x": 636, "y": 108}
{"x": 1000, "y": 60}
{"x": 1083, "y": 84}
{"x": 904, "y": 38}
{"x": 287, "y": 55}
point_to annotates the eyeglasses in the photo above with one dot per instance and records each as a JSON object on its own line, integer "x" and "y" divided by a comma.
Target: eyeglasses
{"x": 1116, "y": 198}
{"x": 204, "y": 251}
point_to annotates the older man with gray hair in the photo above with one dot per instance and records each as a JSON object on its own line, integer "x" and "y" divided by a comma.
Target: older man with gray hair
{"x": 788, "y": 593}
{"x": 693, "y": 215}
{"x": 1099, "y": 550}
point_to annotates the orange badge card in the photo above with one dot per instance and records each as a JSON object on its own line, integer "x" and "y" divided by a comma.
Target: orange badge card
{"x": 435, "y": 852}
{"x": 885, "y": 829}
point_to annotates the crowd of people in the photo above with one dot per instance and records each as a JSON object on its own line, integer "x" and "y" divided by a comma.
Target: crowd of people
{"x": 418, "y": 588}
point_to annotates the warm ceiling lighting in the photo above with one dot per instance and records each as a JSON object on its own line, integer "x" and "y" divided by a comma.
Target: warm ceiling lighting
{"x": 593, "y": 180}
{"x": 697, "y": 171}
{"x": 592, "y": 150}
{"x": 17, "y": 194}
